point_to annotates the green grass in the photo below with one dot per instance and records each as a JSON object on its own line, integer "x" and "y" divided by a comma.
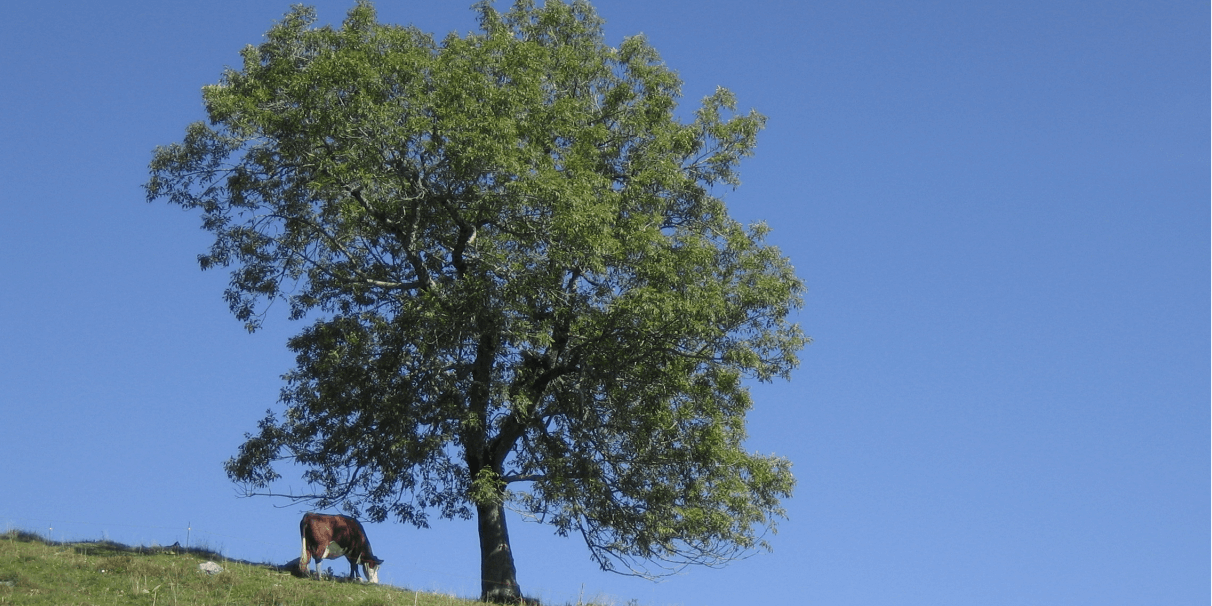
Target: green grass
{"x": 36, "y": 571}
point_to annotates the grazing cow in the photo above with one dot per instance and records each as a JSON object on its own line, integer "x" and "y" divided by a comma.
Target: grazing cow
{"x": 328, "y": 537}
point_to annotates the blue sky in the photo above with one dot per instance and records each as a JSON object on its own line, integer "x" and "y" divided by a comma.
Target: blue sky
{"x": 1001, "y": 211}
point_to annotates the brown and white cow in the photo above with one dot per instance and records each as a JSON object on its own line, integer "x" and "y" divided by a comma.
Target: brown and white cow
{"x": 329, "y": 537}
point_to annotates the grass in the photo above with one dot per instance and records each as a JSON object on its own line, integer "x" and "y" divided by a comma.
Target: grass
{"x": 36, "y": 571}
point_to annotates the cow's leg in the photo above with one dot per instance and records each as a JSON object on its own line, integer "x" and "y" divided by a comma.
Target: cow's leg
{"x": 318, "y": 555}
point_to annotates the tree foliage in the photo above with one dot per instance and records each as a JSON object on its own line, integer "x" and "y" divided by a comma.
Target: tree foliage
{"x": 519, "y": 283}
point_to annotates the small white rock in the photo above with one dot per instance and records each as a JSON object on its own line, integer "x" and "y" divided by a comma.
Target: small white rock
{"x": 210, "y": 568}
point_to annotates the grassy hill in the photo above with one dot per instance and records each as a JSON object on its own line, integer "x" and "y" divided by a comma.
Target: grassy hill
{"x": 35, "y": 571}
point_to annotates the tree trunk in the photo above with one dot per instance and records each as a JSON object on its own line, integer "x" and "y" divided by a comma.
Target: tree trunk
{"x": 498, "y": 576}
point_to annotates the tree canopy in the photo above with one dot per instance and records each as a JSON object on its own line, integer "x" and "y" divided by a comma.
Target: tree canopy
{"x": 519, "y": 284}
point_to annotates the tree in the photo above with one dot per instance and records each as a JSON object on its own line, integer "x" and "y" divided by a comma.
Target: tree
{"x": 520, "y": 286}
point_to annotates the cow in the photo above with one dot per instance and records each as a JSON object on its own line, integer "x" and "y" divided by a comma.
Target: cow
{"x": 329, "y": 537}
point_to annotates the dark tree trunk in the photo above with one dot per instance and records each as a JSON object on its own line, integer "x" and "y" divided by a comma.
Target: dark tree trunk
{"x": 498, "y": 576}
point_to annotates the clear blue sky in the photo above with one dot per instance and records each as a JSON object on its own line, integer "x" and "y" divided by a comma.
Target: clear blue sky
{"x": 1001, "y": 210}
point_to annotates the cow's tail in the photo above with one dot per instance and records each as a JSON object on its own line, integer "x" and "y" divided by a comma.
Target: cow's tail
{"x": 303, "y": 558}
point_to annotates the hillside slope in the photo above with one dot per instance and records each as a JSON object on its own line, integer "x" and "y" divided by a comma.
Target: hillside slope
{"x": 34, "y": 571}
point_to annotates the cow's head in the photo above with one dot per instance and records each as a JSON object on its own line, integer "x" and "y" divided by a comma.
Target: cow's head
{"x": 370, "y": 568}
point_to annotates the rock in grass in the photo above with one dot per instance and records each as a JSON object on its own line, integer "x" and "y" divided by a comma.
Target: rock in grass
{"x": 210, "y": 568}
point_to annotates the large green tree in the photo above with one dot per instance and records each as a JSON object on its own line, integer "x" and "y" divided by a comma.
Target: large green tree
{"x": 520, "y": 285}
